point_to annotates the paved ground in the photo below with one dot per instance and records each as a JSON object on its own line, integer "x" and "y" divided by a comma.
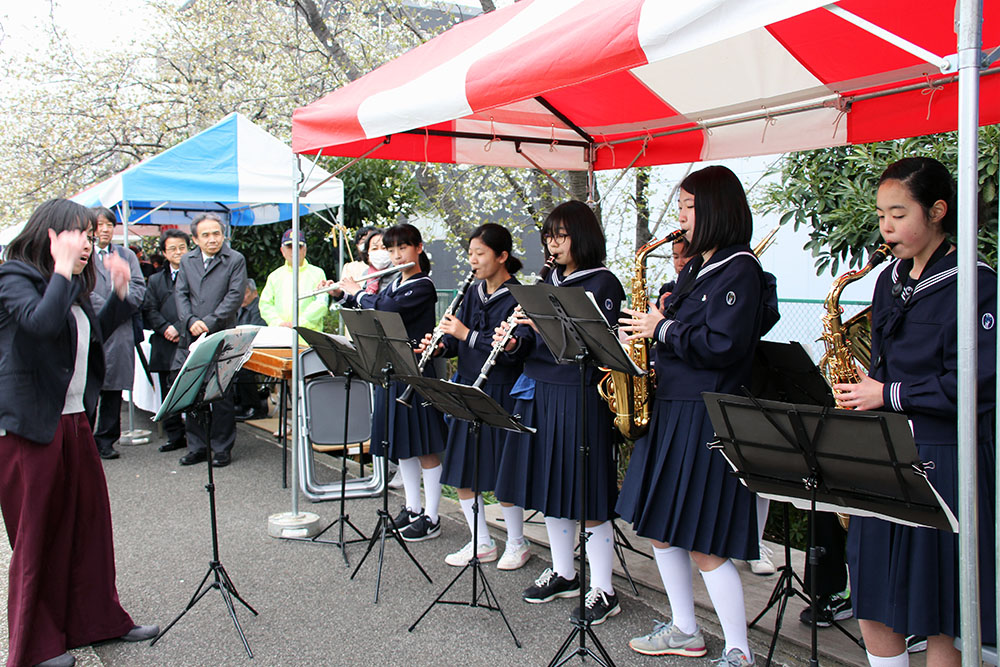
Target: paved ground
{"x": 310, "y": 611}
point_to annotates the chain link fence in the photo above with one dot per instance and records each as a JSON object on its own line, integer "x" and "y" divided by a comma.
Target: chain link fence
{"x": 802, "y": 321}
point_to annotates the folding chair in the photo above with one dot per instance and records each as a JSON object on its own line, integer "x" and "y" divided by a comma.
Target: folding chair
{"x": 322, "y": 400}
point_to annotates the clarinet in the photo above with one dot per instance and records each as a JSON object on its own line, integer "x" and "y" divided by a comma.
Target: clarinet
{"x": 498, "y": 346}
{"x": 438, "y": 334}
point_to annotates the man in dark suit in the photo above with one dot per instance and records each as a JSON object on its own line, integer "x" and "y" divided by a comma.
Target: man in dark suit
{"x": 209, "y": 292}
{"x": 159, "y": 311}
{"x": 119, "y": 346}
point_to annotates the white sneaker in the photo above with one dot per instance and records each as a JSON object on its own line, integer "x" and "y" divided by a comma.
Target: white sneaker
{"x": 763, "y": 565}
{"x": 515, "y": 557}
{"x": 397, "y": 480}
{"x": 461, "y": 558}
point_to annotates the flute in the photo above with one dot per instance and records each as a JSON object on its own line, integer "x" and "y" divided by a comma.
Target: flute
{"x": 377, "y": 274}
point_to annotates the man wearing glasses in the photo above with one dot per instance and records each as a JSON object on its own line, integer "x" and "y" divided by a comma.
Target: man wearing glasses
{"x": 159, "y": 312}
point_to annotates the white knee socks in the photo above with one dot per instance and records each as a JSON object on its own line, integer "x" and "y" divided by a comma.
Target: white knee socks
{"x": 762, "y": 506}
{"x": 902, "y": 660}
{"x": 726, "y": 590}
{"x": 600, "y": 556}
{"x": 410, "y": 470}
{"x": 432, "y": 491}
{"x": 484, "y": 531}
{"x": 561, "y": 540}
{"x": 674, "y": 564}
{"x": 513, "y": 519}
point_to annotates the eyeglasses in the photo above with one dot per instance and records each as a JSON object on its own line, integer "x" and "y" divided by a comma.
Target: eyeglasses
{"x": 175, "y": 248}
{"x": 557, "y": 238}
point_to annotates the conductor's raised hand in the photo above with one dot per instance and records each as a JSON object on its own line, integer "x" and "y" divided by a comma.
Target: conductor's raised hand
{"x": 68, "y": 249}
{"x": 119, "y": 272}
{"x": 639, "y": 325}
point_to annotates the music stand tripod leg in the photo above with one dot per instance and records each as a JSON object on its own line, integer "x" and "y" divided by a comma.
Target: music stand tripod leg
{"x": 474, "y": 565}
{"x": 385, "y": 523}
{"x": 221, "y": 579}
{"x": 582, "y": 626}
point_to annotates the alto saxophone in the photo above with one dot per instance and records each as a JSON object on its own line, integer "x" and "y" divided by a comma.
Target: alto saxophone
{"x": 839, "y": 360}
{"x": 630, "y": 397}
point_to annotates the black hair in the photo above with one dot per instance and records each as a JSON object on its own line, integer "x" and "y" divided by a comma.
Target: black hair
{"x": 207, "y": 216}
{"x": 587, "y": 245}
{"x": 498, "y": 239}
{"x": 722, "y": 214}
{"x": 31, "y": 246}
{"x": 364, "y": 238}
{"x": 173, "y": 234}
{"x": 406, "y": 234}
{"x": 106, "y": 213}
{"x": 927, "y": 181}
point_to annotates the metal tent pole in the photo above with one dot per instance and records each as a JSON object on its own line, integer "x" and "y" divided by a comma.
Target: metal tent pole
{"x": 969, "y": 54}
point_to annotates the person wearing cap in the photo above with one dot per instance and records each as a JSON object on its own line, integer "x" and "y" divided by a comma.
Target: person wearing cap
{"x": 277, "y": 301}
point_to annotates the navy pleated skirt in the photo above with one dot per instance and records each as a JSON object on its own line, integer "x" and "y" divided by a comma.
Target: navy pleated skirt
{"x": 413, "y": 431}
{"x": 458, "y": 458}
{"x": 539, "y": 471}
{"x": 679, "y": 491}
{"x": 907, "y": 578}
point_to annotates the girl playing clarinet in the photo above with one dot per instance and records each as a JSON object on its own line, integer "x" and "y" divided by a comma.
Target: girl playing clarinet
{"x": 677, "y": 491}
{"x": 418, "y": 433}
{"x": 539, "y": 471}
{"x": 904, "y": 580}
{"x": 469, "y": 336}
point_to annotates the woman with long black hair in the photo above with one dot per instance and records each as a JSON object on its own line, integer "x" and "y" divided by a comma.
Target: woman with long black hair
{"x": 52, "y": 488}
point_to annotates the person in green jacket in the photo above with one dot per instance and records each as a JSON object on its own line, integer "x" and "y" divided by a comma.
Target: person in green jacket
{"x": 276, "y": 301}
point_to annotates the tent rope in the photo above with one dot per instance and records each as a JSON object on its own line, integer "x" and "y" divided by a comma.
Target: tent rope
{"x": 931, "y": 90}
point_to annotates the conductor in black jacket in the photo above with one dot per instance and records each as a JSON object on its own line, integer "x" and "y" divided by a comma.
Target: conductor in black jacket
{"x": 53, "y": 493}
{"x": 159, "y": 312}
{"x": 209, "y": 292}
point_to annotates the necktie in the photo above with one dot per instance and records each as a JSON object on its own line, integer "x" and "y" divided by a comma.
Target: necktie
{"x": 207, "y": 261}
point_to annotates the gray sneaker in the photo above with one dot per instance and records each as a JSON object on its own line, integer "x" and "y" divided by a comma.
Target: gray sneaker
{"x": 735, "y": 658}
{"x": 667, "y": 639}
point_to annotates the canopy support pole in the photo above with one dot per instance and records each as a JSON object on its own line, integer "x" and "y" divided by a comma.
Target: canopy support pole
{"x": 941, "y": 62}
{"x": 540, "y": 168}
{"x": 306, "y": 192}
{"x": 969, "y": 58}
{"x": 297, "y": 179}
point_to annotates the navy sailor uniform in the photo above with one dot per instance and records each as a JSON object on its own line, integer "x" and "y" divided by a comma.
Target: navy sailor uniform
{"x": 419, "y": 429}
{"x": 482, "y": 313}
{"x": 676, "y": 489}
{"x": 903, "y": 577}
{"x": 539, "y": 471}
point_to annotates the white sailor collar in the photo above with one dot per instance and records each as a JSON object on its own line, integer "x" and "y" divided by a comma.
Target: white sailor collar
{"x": 576, "y": 276}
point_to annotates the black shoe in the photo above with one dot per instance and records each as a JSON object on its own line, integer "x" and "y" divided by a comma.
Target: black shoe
{"x": 831, "y": 608}
{"x": 550, "y": 586}
{"x": 173, "y": 446}
{"x": 916, "y": 644}
{"x": 191, "y": 458}
{"x": 421, "y": 529}
{"x": 244, "y": 415}
{"x": 140, "y": 633}
{"x": 599, "y": 607}
{"x": 221, "y": 459}
{"x": 109, "y": 453}
{"x": 404, "y": 518}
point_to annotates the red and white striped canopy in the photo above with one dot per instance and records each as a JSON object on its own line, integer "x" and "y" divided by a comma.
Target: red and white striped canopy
{"x": 644, "y": 82}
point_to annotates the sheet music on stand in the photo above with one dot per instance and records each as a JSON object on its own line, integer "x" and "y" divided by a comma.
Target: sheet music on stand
{"x": 540, "y": 301}
{"x": 869, "y": 461}
{"x": 228, "y": 350}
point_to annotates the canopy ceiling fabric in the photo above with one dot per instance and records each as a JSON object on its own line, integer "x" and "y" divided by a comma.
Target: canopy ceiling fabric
{"x": 649, "y": 82}
{"x": 234, "y": 168}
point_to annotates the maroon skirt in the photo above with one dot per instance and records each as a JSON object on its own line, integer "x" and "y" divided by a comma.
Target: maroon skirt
{"x": 62, "y": 573}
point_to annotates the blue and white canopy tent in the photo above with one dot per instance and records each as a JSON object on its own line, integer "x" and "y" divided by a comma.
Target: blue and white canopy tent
{"x": 234, "y": 169}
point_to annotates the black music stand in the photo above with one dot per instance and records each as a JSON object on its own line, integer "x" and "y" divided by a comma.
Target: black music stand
{"x": 474, "y": 405}
{"x": 785, "y": 372}
{"x": 202, "y": 380}
{"x": 862, "y": 463}
{"x": 341, "y": 358}
{"x": 383, "y": 347}
{"x": 576, "y": 332}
